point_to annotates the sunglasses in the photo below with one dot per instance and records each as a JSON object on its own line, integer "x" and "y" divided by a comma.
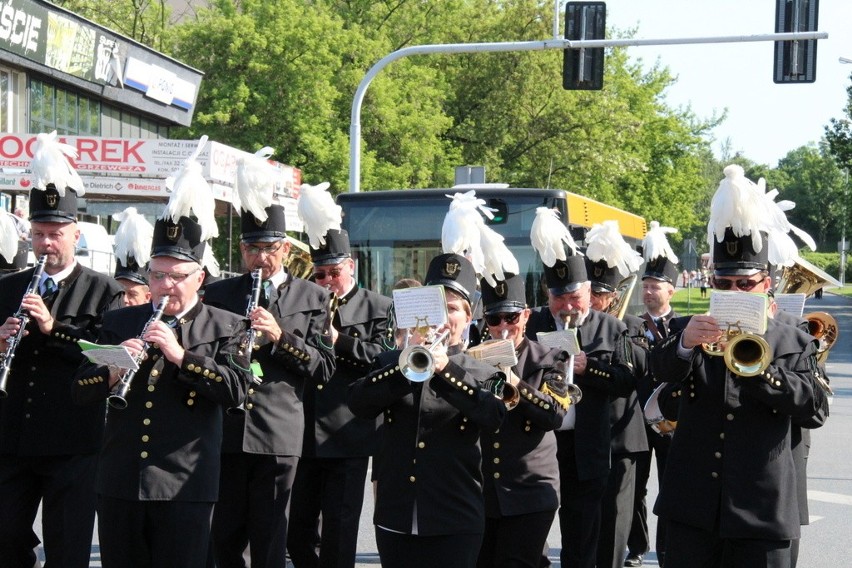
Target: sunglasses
{"x": 332, "y": 273}
{"x": 495, "y": 319}
{"x": 176, "y": 277}
{"x": 743, "y": 284}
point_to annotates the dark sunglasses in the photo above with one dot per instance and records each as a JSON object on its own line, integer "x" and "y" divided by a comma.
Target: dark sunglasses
{"x": 322, "y": 274}
{"x": 743, "y": 284}
{"x": 495, "y": 319}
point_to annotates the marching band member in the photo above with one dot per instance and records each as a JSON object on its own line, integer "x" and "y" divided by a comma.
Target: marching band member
{"x": 519, "y": 460}
{"x": 603, "y": 369}
{"x": 158, "y": 470}
{"x": 429, "y": 507}
{"x": 338, "y": 445}
{"x": 610, "y": 261}
{"x": 48, "y": 446}
{"x": 729, "y": 488}
{"x": 658, "y": 284}
{"x": 263, "y": 443}
{"x": 132, "y": 252}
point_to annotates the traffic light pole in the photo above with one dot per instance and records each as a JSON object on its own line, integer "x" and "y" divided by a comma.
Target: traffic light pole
{"x": 555, "y": 43}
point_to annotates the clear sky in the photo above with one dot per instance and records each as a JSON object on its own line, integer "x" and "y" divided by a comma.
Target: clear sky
{"x": 765, "y": 120}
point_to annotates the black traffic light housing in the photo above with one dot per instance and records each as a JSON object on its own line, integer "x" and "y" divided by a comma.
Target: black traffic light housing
{"x": 795, "y": 61}
{"x": 583, "y": 69}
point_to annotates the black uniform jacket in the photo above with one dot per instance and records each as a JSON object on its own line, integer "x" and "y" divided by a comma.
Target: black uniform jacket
{"x": 519, "y": 460}
{"x": 165, "y": 445}
{"x": 274, "y": 420}
{"x": 730, "y": 468}
{"x": 38, "y": 417}
{"x": 627, "y": 421}
{"x": 332, "y": 431}
{"x": 609, "y": 374}
{"x": 430, "y": 455}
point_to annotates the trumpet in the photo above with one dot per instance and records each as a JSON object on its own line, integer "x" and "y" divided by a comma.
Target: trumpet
{"x": 251, "y": 334}
{"x": 118, "y": 399}
{"x": 24, "y": 317}
{"x": 416, "y": 361}
{"x": 746, "y": 354}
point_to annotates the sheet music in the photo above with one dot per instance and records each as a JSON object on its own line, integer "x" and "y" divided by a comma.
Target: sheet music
{"x": 744, "y": 309}
{"x": 565, "y": 339}
{"x": 423, "y": 306}
{"x": 791, "y": 303}
{"x": 495, "y": 352}
{"x": 115, "y": 355}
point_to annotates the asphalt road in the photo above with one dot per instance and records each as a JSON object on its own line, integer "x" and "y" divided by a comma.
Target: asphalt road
{"x": 829, "y": 470}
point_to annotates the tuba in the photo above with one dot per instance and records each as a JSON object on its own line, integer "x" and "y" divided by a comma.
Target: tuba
{"x": 298, "y": 261}
{"x": 804, "y": 278}
{"x": 622, "y": 299}
{"x": 823, "y": 327}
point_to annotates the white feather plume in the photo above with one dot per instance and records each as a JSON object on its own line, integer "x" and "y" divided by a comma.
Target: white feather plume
{"x": 783, "y": 251}
{"x": 8, "y": 236}
{"x": 463, "y": 228}
{"x": 50, "y": 165}
{"x": 209, "y": 261}
{"x": 605, "y": 242}
{"x": 190, "y": 193}
{"x": 498, "y": 260}
{"x": 738, "y": 204}
{"x": 656, "y": 244}
{"x": 133, "y": 237}
{"x": 318, "y": 212}
{"x": 255, "y": 187}
{"x": 550, "y": 236}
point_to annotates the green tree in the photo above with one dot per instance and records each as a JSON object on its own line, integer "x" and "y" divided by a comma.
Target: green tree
{"x": 145, "y": 21}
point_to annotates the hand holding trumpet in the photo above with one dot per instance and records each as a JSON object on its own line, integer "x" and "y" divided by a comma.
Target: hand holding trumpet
{"x": 701, "y": 330}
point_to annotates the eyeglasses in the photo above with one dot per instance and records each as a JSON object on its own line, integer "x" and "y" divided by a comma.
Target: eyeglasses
{"x": 176, "y": 277}
{"x": 331, "y": 273}
{"x": 494, "y": 319}
{"x": 254, "y": 250}
{"x": 743, "y": 284}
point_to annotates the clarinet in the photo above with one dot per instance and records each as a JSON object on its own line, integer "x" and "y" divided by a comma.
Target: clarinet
{"x": 251, "y": 335}
{"x": 118, "y": 399}
{"x": 24, "y": 317}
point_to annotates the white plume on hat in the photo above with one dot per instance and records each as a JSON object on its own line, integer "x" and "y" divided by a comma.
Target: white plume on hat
{"x": 133, "y": 237}
{"x": 606, "y": 243}
{"x": 465, "y": 233}
{"x": 209, "y": 261}
{"x": 783, "y": 251}
{"x": 255, "y": 187}
{"x": 8, "y": 236}
{"x": 655, "y": 244}
{"x": 50, "y": 165}
{"x": 191, "y": 193}
{"x": 549, "y": 237}
{"x": 318, "y": 212}
{"x": 738, "y": 203}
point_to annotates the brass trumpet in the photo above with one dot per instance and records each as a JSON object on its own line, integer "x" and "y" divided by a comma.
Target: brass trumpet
{"x": 746, "y": 354}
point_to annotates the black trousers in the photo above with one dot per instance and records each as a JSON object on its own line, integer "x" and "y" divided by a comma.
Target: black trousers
{"x": 515, "y": 541}
{"x": 579, "y": 511}
{"x": 153, "y": 534}
{"x": 639, "y": 542}
{"x": 412, "y": 551}
{"x": 335, "y": 489}
{"x": 690, "y": 547}
{"x": 617, "y": 511}
{"x": 253, "y": 507}
{"x": 65, "y": 484}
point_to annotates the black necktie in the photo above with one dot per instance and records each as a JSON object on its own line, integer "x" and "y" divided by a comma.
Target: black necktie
{"x": 49, "y": 288}
{"x": 170, "y": 321}
{"x": 268, "y": 293}
{"x": 661, "y": 326}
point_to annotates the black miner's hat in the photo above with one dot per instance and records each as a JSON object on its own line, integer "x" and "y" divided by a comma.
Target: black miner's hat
{"x": 130, "y": 271}
{"x": 735, "y": 256}
{"x": 273, "y": 229}
{"x": 604, "y": 278}
{"x": 661, "y": 268}
{"x": 505, "y": 296}
{"x": 335, "y": 250}
{"x": 454, "y": 272}
{"x": 566, "y": 276}
{"x": 181, "y": 240}
{"x": 48, "y": 206}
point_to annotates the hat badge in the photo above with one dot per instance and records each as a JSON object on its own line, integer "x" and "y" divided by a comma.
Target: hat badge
{"x": 451, "y": 268}
{"x": 562, "y": 271}
{"x": 732, "y": 247}
{"x": 52, "y": 200}
{"x": 500, "y": 289}
{"x": 598, "y": 271}
{"x": 173, "y": 232}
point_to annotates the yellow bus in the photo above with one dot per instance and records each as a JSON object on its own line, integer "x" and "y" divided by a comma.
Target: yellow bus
{"x": 395, "y": 233}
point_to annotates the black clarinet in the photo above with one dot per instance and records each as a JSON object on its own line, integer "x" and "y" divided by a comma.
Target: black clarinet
{"x": 118, "y": 399}
{"x": 24, "y": 317}
{"x": 251, "y": 335}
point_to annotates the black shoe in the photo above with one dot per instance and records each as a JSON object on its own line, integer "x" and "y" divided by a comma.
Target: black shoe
{"x": 633, "y": 560}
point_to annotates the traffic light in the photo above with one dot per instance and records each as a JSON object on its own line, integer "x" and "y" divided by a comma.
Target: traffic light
{"x": 795, "y": 61}
{"x": 583, "y": 69}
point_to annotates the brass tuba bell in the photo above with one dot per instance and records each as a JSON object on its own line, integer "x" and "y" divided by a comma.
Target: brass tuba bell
{"x": 823, "y": 327}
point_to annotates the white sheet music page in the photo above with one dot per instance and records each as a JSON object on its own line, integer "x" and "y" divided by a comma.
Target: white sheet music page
{"x": 423, "y": 306}
{"x": 791, "y": 303}
{"x": 565, "y": 339}
{"x": 744, "y": 310}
